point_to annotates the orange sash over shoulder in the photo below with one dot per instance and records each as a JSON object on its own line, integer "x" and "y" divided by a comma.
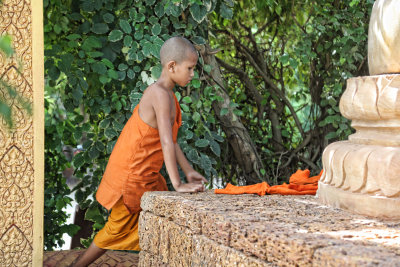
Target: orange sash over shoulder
{"x": 135, "y": 163}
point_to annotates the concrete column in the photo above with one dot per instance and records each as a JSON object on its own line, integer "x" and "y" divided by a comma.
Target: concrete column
{"x": 22, "y": 148}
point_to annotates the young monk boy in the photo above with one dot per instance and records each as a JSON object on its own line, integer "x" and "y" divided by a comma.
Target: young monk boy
{"x": 148, "y": 139}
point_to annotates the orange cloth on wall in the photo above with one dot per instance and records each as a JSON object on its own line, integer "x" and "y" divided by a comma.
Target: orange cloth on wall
{"x": 299, "y": 184}
{"x": 135, "y": 163}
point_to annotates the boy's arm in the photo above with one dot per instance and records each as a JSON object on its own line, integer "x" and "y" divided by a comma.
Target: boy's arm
{"x": 161, "y": 106}
{"x": 191, "y": 175}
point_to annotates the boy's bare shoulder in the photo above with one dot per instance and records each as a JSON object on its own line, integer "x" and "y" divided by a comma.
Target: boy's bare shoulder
{"x": 156, "y": 92}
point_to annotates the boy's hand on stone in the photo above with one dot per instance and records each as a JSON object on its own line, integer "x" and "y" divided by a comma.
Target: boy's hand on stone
{"x": 190, "y": 188}
{"x": 195, "y": 177}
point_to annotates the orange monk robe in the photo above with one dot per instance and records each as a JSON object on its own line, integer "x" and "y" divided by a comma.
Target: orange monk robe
{"x": 133, "y": 168}
{"x": 299, "y": 184}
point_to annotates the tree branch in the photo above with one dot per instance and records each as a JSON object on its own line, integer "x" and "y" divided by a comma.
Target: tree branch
{"x": 277, "y": 91}
{"x": 245, "y": 79}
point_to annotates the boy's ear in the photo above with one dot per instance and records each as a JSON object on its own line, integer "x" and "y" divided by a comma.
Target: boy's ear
{"x": 171, "y": 66}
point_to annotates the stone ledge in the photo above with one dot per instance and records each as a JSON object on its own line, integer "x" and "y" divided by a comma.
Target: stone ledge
{"x": 64, "y": 258}
{"x": 206, "y": 229}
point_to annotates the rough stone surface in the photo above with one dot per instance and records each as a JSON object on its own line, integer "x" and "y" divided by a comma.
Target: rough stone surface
{"x": 248, "y": 230}
{"x": 65, "y": 258}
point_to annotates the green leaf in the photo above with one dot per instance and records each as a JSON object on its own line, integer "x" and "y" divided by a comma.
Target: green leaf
{"x": 226, "y": 11}
{"x": 284, "y": 59}
{"x": 66, "y": 62}
{"x": 95, "y": 54}
{"x": 188, "y": 135}
{"x": 115, "y": 35}
{"x": 202, "y": 142}
{"x": 110, "y": 133}
{"x": 193, "y": 156}
{"x": 140, "y": 17}
{"x": 155, "y": 50}
{"x": 196, "y": 83}
{"x": 187, "y": 99}
{"x": 330, "y": 135}
{"x": 217, "y": 137}
{"x": 196, "y": 116}
{"x": 159, "y": 10}
{"x": 92, "y": 213}
{"x": 99, "y": 68}
{"x": 112, "y": 74}
{"x": 121, "y": 75}
{"x": 165, "y": 22}
{"x": 99, "y": 146}
{"x": 223, "y": 112}
{"x": 100, "y": 28}
{"x": 77, "y": 134}
{"x": 108, "y": 63}
{"x": 134, "y": 97}
{"x": 132, "y": 14}
{"x": 53, "y": 72}
{"x": 215, "y": 148}
{"x": 128, "y": 40}
{"x": 153, "y": 20}
{"x": 205, "y": 162}
{"x": 238, "y": 112}
{"x": 156, "y": 29}
{"x": 108, "y": 18}
{"x": 93, "y": 153}
{"x": 122, "y": 67}
{"x": 207, "y": 68}
{"x": 185, "y": 108}
{"x": 131, "y": 74}
{"x": 156, "y": 71}
{"x": 104, "y": 79}
{"x": 104, "y": 123}
{"x": 73, "y": 37}
{"x": 110, "y": 146}
{"x": 146, "y": 49}
{"x": 198, "y": 12}
{"x": 125, "y": 26}
{"x": 60, "y": 204}
{"x": 118, "y": 126}
{"x": 198, "y": 40}
{"x": 138, "y": 35}
{"x": 78, "y": 160}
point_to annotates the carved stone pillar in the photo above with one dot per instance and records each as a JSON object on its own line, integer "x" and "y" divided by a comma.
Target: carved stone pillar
{"x": 22, "y": 148}
{"x": 363, "y": 173}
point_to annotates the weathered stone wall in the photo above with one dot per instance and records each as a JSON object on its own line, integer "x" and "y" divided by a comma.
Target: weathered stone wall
{"x": 205, "y": 229}
{"x": 21, "y": 149}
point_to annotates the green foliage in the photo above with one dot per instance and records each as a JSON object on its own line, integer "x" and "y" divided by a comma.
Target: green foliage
{"x": 286, "y": 68}
{"x": 56, "y": 191}
{"x": 100, "y": 56}
{"x": 336, "y": 44}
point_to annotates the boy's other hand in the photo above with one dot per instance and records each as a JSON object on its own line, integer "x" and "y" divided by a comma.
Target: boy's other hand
{"x": 195, "y": 177}
{"x": 190, "y": 188}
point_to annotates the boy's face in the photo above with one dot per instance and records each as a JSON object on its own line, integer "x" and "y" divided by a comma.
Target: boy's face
{"x": 184, "y": 71}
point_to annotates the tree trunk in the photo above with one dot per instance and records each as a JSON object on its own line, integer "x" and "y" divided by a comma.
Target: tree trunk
{"x": 238, "y": 137}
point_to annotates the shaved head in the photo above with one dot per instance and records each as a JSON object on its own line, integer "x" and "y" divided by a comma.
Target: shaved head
{"x": 176, "y": 49}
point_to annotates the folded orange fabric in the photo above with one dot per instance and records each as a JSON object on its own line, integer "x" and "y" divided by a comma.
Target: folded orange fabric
{"x": 300, "y": 183}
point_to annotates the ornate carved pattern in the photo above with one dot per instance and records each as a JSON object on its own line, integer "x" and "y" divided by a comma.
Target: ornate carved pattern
{"x": 363, "y": 174}
{"x": 16, "y": 146}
